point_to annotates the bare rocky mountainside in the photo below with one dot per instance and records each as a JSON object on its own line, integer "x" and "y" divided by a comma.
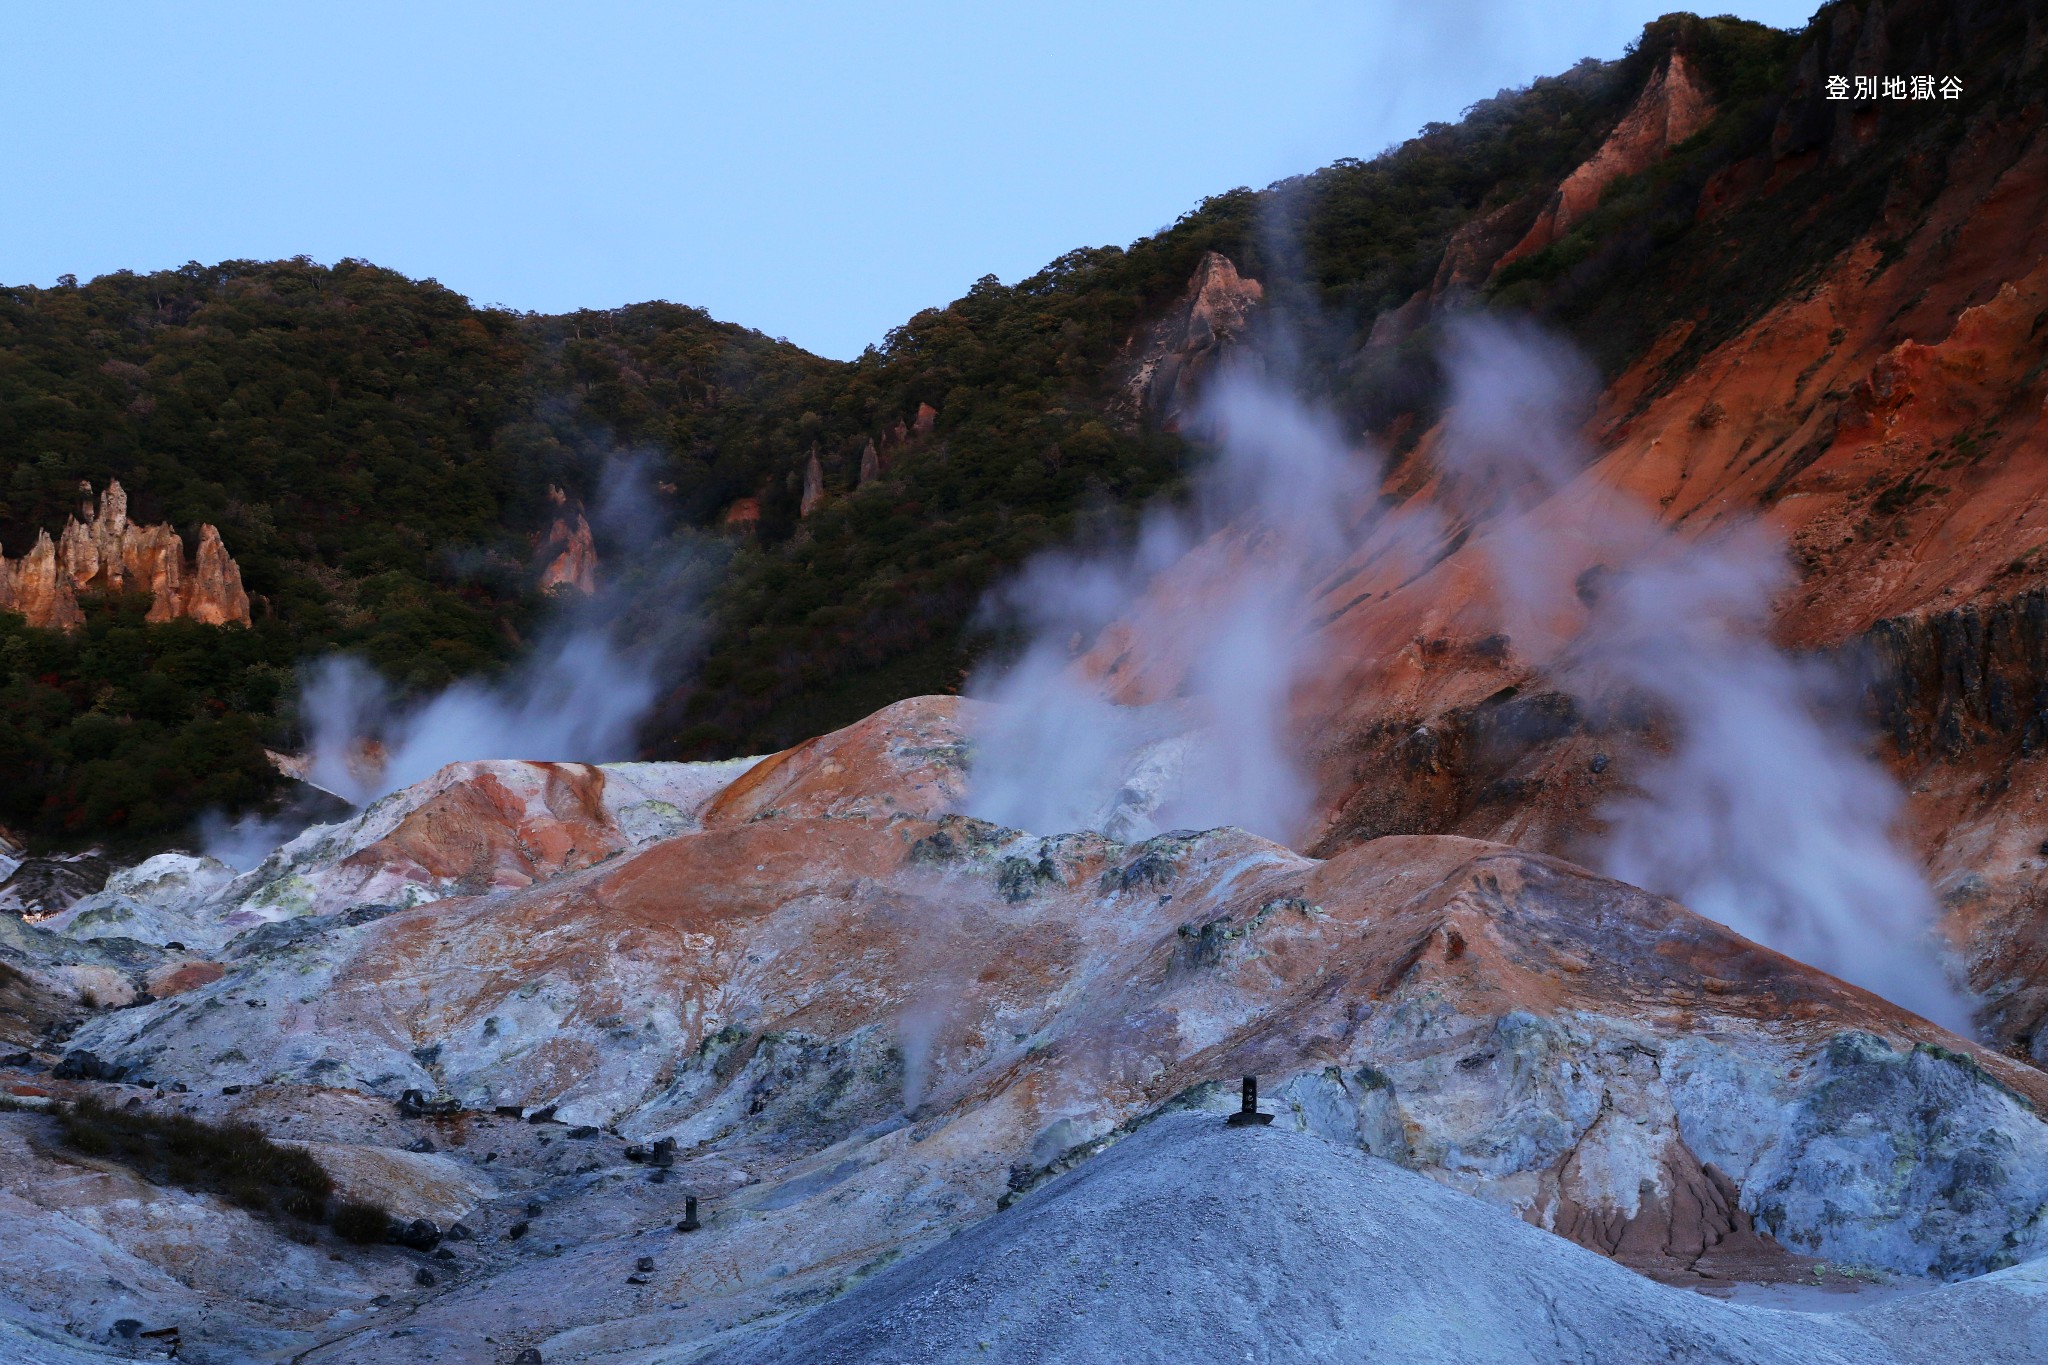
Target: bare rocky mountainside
{"x": 540, "y": 1006}
{"x": 1535, "y": 648}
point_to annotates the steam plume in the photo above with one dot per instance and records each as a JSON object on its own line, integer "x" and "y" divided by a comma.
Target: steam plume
{"x": 1154, "y": 690}
{"x": 1765, "y": 814}
{"x": 580, "y": 695}
{"x": 1200, "y": 632}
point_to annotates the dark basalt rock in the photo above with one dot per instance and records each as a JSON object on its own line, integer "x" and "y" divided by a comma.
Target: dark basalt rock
{"x": 414, "y": 1104}
{"x": 43, "y": 886}
{"x": 86, "y": 1066}
{"x": 420, "y": 1234}
{"x": 1945, "y": 682}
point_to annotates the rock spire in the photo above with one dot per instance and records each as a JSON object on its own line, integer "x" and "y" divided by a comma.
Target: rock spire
{"x": 108, "y": 553}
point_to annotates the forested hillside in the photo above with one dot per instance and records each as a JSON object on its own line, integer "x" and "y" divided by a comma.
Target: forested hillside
{"x": 377, "y": 451}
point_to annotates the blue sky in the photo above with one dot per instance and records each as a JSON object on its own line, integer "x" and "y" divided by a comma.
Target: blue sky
{"x": 818, "y": 171}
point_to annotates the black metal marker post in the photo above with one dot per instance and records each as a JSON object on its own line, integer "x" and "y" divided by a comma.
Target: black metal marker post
{"x": 1248, "y": 1115}
{"x": 689, "y": 1223}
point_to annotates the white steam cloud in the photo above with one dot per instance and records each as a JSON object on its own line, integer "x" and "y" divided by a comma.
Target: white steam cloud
{"x": 580, "y": 695}
{"x": 244, "y": 842}
{"x": 1765, "y": 814}
{"x": 577, "y": 698}
{"x": 1198, "y": 631}
{"x": 1155, "y": 688}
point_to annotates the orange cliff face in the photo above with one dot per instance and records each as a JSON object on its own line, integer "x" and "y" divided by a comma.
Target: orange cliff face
{"x": 1886, "y": 423}
{"x": 571, "y": 556}
{"x": 568, "y": 553}
{"x": 1163, "y": 365}
{"x": 1672, "y": 107}
{"x": 108, "y": 553}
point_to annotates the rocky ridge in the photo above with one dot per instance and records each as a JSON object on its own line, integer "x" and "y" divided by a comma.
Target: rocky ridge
{"x": 568, "y": 552}
{"x": 106, "y": 552}
{"x": 1165, "y": 362}
{"x": 1672, "y": 107}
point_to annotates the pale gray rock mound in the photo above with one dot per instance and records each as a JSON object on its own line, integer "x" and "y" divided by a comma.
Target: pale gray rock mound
{"x": 51, "y": 975}
{"x": 161, "y": 900}
{"x": 1455, "y": 1007}
{"x": 26, "y": 1339}
{"x": 1193, "y": 1241}
{"x": 480, "y": 826}
{"x": 854, "y": 1025}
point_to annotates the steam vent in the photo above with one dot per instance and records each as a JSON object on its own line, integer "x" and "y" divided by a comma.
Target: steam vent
{"x": 108, "y": 553}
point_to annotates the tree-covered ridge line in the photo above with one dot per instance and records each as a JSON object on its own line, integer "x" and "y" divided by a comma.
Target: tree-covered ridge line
{"x": 347, "y": 428}
{"x": 377, "y": 451}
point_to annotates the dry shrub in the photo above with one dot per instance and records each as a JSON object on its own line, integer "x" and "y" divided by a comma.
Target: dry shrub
{"x": 232, "y": 1160}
